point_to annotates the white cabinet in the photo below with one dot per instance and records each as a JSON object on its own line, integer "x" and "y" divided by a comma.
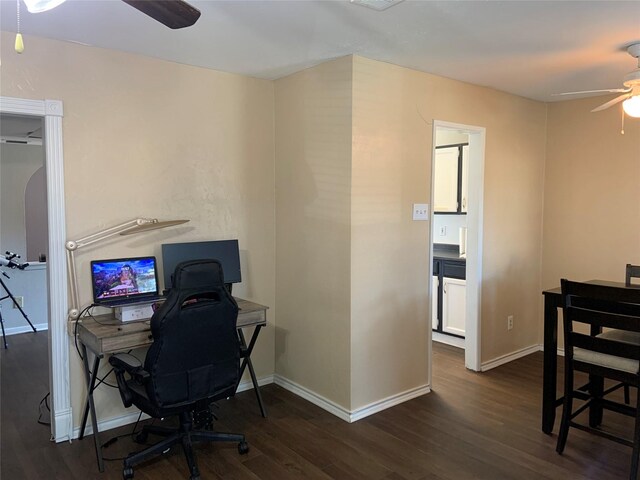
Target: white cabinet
{"x": 451, "y": 179}
{"x": 434, "y": 302}
{"x": 453, "y": 305}
{"x": 445, "y": 184}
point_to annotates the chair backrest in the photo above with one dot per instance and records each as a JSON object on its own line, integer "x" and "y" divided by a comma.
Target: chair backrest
{"x": 195, "y": 353}
{"x": 633, "y": 271}
{"x": 599, "y": 307}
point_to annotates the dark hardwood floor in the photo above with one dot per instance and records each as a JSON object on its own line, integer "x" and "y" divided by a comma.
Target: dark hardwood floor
{"x": 472, "y": 426}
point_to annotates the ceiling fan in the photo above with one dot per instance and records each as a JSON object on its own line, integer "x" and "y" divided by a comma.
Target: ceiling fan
{"x": 172, "y": 13}
{"x": 630, "y": 93}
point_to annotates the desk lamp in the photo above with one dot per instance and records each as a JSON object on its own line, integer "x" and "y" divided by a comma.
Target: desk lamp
{"x": 137, "y": 225}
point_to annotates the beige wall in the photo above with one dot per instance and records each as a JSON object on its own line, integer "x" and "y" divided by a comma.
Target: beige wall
{"x": 394, "y": 109}
{"x": 313, "y": 216}
{"x": 592, "y": 193}
{"x": 144, "y": 137}
{"x": 344, "y": 228}
{"x": 389, "y": 263}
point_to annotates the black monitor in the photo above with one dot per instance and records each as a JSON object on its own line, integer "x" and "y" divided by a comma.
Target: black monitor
{"x": 225, "y": 251}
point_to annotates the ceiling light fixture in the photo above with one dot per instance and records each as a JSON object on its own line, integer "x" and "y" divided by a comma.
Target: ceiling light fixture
{"x": 632, "y": 106}
{"x": 376, "y": 4}
{"x": 19, "y": 45}
{"x": 37, "y": 6}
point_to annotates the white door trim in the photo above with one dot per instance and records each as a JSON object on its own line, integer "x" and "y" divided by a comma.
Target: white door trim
{"x": 477, "y": 135}
{"x": 52, "y": 112}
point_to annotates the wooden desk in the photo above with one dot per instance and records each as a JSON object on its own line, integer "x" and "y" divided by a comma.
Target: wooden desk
{"x": 103, "y": 335}
{"x": 553, "y": 301}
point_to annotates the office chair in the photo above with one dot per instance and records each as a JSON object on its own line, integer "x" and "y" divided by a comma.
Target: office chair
{"x": 633, "y": 271}
{"x": 193, "y": 361}
{"x": 614, "y": 354}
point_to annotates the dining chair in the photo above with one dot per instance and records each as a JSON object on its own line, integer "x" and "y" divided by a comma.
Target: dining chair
{"x": 633, "y": 271}
{"x": 614, "y": 354}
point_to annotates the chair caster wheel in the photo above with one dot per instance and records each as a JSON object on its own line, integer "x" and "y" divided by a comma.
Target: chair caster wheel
{"x": 243, "y": 448}
{"x": 142, "y": 437}
{"x": 127, "y": 473}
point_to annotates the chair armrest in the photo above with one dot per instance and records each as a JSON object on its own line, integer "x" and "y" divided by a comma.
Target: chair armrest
{"x": 121, "y": 363}
{"x": 125, "y": 362}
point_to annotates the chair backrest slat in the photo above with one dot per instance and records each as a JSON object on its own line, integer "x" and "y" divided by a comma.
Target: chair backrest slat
{"x": 605, "y": 319}
{"x": 601, "y": 306}
{"x": 633, "y": 271}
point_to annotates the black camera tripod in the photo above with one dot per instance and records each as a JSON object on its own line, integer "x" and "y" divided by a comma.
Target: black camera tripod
{"x": 15, "y": 302}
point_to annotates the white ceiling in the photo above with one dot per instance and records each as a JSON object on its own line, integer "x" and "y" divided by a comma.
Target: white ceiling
{"x": 528, "y": 48}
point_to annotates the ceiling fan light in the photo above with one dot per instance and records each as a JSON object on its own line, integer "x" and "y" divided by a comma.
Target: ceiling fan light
{"x": 632, "y": 106}
{"x": 37, "y": 6}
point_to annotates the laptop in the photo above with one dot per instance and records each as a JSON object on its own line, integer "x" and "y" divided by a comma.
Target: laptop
{"x": 125, "y": 281}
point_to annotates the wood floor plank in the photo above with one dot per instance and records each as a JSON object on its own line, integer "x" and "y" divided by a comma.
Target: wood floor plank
{"x": 472, "y": 426}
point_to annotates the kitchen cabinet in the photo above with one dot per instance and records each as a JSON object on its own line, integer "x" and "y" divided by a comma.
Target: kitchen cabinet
{"x": 451, "y": 179}
{"x": 453, "y": 306}
{"x": 448, "y": 308}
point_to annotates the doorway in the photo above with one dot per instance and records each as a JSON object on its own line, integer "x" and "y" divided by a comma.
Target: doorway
{"x": 456, "y": 237}
{"x": 50, "y": 112}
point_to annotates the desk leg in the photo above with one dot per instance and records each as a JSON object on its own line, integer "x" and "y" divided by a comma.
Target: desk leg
{"x": 91, "y": 381}
{"x": 246, "y": 362}
{"x": 85, "y": 412}
{"x": 550, "y": 365}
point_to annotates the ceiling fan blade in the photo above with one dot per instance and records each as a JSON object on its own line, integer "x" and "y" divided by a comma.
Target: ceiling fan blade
{"x": 172, "y": 13}
{"x": 610, "y": 90}
{"x": 611, "y": 103}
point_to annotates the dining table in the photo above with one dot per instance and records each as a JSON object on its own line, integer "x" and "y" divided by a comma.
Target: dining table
{"x": 553, "y": 302}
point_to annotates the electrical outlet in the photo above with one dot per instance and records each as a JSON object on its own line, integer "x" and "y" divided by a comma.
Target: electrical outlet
{"x": 443, "y": 231}
{"x": 510, "y": 322}
{"x": 19, "y": 301}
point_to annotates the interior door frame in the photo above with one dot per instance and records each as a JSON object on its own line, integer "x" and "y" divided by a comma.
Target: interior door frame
{"x": 473, "y": 340}
{"x": 52, "y": 112}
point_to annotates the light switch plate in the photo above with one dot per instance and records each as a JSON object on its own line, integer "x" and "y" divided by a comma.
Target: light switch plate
{"x": 421, "y": 211}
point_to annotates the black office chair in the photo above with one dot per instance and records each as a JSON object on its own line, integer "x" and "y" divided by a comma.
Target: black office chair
{"x": 614, "y": 354}
{"x": 633, "y": 271}
{"x": 193, "y": 361}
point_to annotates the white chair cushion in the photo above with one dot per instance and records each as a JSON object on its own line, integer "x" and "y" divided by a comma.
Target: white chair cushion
{"x": 611, "y": 361}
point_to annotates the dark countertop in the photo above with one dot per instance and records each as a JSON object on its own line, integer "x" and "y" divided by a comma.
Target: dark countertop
{"x": 443, "y": 251}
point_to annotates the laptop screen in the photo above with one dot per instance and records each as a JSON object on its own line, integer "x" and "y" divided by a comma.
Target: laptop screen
{"x": 124, "y": 279}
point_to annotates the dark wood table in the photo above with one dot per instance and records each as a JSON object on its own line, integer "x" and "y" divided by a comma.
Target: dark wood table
{"x": 553, "y": 301}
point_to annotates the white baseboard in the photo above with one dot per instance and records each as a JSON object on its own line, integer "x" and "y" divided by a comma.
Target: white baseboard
{"x": 62, "y": 421}
{"x": 248, "y": 384}
{"x": 560, "y": 350}
{"x": 448, "y": 339}
{"x": 389, "y": 402}
{"x": 343, "y": 413}
{"x": 131, "y": 417}
{"x": 113, "y": 422}
{"x": 322, "y": 402}
{"x": 496, "y": 362}
{"x": 26, "y": 328}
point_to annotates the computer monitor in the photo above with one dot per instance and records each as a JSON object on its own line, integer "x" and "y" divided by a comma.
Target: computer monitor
{"x": 225, "y": 251}
{"x": 124, "y": 280}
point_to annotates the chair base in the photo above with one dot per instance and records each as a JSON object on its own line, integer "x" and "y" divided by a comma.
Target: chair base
{"x": 184, "y": 435}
